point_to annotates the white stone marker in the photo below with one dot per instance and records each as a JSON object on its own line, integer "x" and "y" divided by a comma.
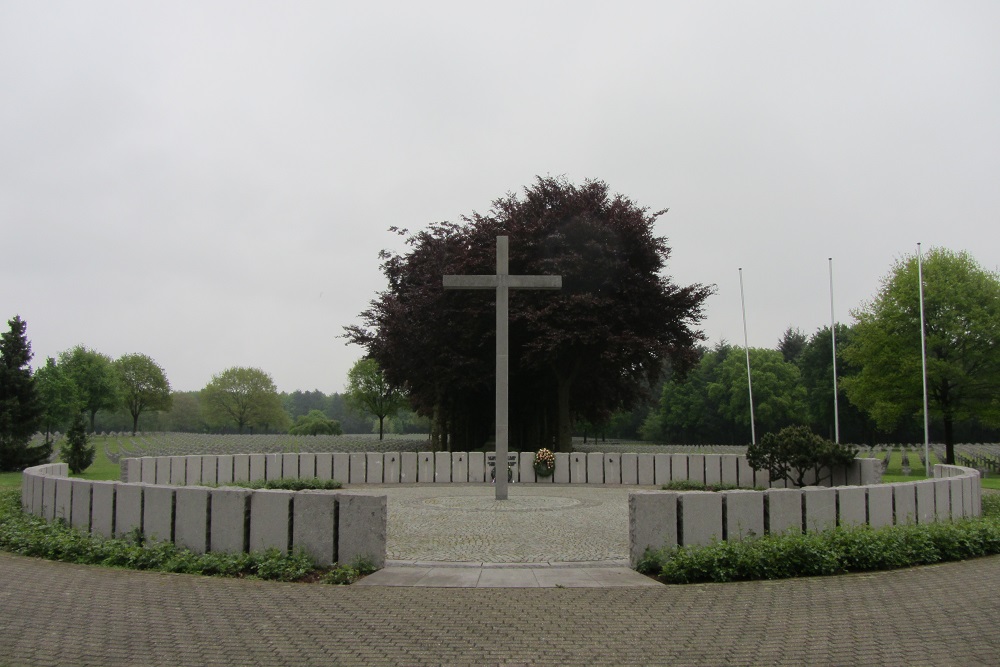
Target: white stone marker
{"x": 502, "y": 282}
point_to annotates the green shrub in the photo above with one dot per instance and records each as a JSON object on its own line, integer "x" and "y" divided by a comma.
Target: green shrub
{"x": 693, "y": 485}
{"x": 75, "y": 451}
{"x": 291, "y": 484}
{"x": 794, "y": 452}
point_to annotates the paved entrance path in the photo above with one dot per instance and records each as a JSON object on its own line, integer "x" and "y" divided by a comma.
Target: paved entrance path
{"x": 67, "y": 615}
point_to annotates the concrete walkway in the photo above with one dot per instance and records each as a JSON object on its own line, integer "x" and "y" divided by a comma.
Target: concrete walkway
{"x": 56, "y": 614}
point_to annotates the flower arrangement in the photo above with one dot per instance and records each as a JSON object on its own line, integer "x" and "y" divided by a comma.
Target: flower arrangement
{"x": 545, "y": 462}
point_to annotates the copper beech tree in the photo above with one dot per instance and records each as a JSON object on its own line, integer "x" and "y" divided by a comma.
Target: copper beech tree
{"x": 584, "y": 351}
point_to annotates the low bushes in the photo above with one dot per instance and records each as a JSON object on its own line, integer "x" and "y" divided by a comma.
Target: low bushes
{"x": 32, "y": 536}
{"x": 837, "y": 551}
{"x": 291, "y": 484}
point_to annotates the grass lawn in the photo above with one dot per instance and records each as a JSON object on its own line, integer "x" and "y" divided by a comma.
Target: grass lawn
{"x": 100, "y": 469}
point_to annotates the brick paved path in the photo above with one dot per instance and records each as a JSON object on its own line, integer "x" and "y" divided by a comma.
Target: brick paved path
{"x": 60, "y": 614}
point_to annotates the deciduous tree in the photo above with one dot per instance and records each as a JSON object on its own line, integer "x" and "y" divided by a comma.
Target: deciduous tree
{"x": 583, "y": 352}
{"x": 243, "y": 397}
{"x": 369, "y": 392}
{"x": 962, "y": 314}
{"x": 95, "y": 378}
{"x": 57, "y": 393}
{"x": 143, "y": 386}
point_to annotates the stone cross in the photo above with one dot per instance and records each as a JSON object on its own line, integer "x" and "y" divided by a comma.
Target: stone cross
{"x": 502, "y": 282}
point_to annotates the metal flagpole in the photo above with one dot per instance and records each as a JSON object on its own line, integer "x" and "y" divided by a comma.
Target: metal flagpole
{"x": 746, "y": 346}
{"x": 833, "y": 338}
{"x": 923, "y": 361}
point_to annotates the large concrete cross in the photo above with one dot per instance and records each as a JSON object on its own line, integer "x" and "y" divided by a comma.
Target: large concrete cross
{"x": 502, "y": 282}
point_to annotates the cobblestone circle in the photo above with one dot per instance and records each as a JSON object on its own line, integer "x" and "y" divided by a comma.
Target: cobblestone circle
{"x": 536, "y": 524}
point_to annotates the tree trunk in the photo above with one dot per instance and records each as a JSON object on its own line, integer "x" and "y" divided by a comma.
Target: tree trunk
{"x": 381, "y": 418}
{"x": 564, "y": 433}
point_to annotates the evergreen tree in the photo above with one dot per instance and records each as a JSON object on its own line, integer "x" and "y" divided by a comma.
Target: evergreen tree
{"x": 20, "y": 409}
{"x": 76, "y": 451}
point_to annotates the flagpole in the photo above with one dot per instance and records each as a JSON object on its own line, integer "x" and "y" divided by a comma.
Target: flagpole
{"x": 923, "y": 363}
{"x": 833, "y": 339}
{"x": 746, "y": 347}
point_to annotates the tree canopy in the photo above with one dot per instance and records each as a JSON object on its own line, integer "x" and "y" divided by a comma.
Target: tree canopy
{"x": 20, "y": 408}
{"x": 243, "y": 397}
{"x": 143, "y": 386}
{"x": 584, "y": 351}
{"x": 95, "y": 378}
{"x": 369, "y": 392}
{"x": 962, "y": 315}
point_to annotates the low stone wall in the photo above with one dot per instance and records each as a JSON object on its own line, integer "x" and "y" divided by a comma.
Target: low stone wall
{"x": 467, "y": 467}
{"x": 331, "y": 526}
{"x": 660, "y": 519}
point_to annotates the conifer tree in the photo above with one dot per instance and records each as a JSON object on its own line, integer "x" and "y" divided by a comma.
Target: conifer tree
{"x": 20, "y": 408}
{"x": 76, "y": 452}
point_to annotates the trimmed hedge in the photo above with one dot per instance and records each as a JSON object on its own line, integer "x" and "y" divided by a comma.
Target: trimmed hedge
{"x": 860, "y": 549}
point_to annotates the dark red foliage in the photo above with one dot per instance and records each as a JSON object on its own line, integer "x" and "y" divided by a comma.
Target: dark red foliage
{"x": 584, "y": 351}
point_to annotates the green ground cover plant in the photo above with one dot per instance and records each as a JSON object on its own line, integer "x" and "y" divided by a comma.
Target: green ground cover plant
{"x": 291, "y": 484}
{"x": 859, "y": 549}
{"x": 29, "y": 535}
{"x": 694, "y": 485}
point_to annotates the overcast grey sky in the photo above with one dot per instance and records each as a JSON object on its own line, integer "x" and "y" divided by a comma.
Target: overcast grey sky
{"x": 210, "y": 183}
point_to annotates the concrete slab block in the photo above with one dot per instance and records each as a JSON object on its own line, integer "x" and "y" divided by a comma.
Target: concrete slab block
{"x": 270, "y": 520}
{"x": 744, "y": 473}
{"x": 678, "y": 467}
{"x": 324, "y": 466}
{"x": 761, "y": 479}
{"x": 314, "y": 525}
{"x": 359, "y": 468}
{"x": 839, "y": 477}
{"x": 652, "y": 520}
{"x": 630, "y": 468}
{"x": 210, "y": 469}
{"x": 853, "y": 504}
{"x": 80, "y": 507}
{"x": 163, "y": 470}
{"x": 408, "y": 468}
{"x": 925, "y": 501}
{"x": 374, "y": 467}
{"x": 595, "y": 468}
{"x": 526, "y": 468}
{"x": 158, "y": 513}
{"x": 128, "y": 508}
{"x": 784, "y": 511}
{"x": 646, "y": 469}
{"x": 342, "y": 467}
{"x": 307, "y": 466}
{"x": 27, "y": 484}
{"x": 290, "y": 465}
{"x": 102, "y": 508}
{"x": 192, "y": 470}
{"x": 880, "y": 507}
{"x": 713, "y": 469}
{"x": 871, "y": 471}
{"x": 696, "y": 467}
{"x": 820, "y": 507}
{"x": 957, "y": 499}
{"x": 425, "y": 467}
{"x": 133, "y": 470}
{"x": 477, "y": 467}
{"x": 700, "y": 517}
{"x": 904, "y": 503}
{"x": 63, "y": 507}
{"x": 391, "y": 465}
{"x": 515, "y": 467}
{"x": 178, "y": 470}
{"x": 226, "y": 469}
{"x": 38, "y": 495}
{"x": 612, "y": 468}
{"x": 560, "y": 475}
{"x": 744, "y": 514}
{"x": 971, "y": 487}
{"x": 730, "y": 469}
{"x": 230, "y": 524}
{"x": 258, "y": 467}
{"x": 48, "y": 498}
{"x": 272, "y": 466}
{"x": 192, "y": 518}
{"x": 661, "y": 469}
{"x": 442, "y": 467}
{"x": 578, "y": 468}
{"x": 852, "y": 473}
{"x": 361, "y": 528}
{"x": 148, "y": 473}
{"x": 942, "y": 499}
